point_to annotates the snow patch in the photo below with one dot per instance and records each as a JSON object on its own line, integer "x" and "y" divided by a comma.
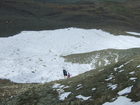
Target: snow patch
{"x": 134, "y": 33}
{"x": 101, "y": 70}
{"x": 106, "y": 61}
{"x": 131, "y": 73}
{"x": 115, "y": 69}
{"x": 64, "y": 95}
{"x": 128, "y": 62}
{"x": 56, "y": 86}
{"x": 121, "y": 66}
{"x": 109, "y": 78}
{"x": 117, "y": 58}
{"x": 138, "y": 66}
{"x": 83, "y": 97}
{"x": 93, "y": 89}
{"x": 59, "y": 86}
{"x": 60, "y": 89}
{"x": 120, "y": 71}
{"x": 111, "y": 86}
{"x": 79, "y": 86}
{"x": 125, "y": 91}
{"x": 133, "y": 78}
{"x": 121, "y": 100}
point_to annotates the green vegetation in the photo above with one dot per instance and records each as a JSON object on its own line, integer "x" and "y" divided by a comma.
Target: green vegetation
{"x": 112, "y": 16}
{"x": 103, "y": 57}
{"x": 10, "y": 89}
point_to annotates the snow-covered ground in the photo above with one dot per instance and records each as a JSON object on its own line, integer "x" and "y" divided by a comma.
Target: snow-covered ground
{"x": 122, "y": 100}
{"x": 125, "y": 91}
{"x": 83, "y": 97}
{"x": 134, "y": 33}
{"x": 35, "y": 56}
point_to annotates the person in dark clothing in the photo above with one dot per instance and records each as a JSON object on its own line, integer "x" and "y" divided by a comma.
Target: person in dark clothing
{"x": 65, "y": 73}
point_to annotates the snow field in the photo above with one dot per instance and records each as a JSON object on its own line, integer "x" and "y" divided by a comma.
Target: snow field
{"x": 35, "y": 56}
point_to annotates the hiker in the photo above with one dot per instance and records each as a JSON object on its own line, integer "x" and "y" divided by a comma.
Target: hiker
{"x": 65, "y": 73}
{"x": 68, "y": 75}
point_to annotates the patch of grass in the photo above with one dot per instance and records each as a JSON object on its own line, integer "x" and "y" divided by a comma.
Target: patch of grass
{"x": 9, "y": 89}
